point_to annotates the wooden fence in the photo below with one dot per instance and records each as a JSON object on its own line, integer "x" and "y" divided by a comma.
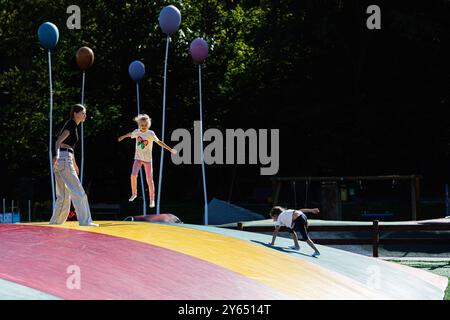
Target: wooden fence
{"x": 375, "y": 229}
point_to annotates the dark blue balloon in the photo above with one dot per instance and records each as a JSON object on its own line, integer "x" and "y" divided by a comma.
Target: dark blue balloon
{"x": 136, "y": 70}
{"x": 48, "y": 35}
{"x": 169, "y": 19}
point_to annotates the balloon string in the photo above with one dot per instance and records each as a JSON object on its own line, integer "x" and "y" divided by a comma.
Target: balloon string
{"x": 163, "y": 127}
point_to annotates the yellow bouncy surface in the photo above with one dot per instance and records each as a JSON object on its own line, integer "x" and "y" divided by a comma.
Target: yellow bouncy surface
{"x": 297, "y": 278}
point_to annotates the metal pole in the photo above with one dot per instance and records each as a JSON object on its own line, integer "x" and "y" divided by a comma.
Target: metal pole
{"x": 82, "y": 129}
{"x": 29, "y": 210}
{"x": 50, "y": 138}
{"x": 4, "y": 205}
{"x": 158, "y": 204}
{"x": 144, "y": 203}
{"x": 201, "y": 145}
{"x": 375, "y": 238}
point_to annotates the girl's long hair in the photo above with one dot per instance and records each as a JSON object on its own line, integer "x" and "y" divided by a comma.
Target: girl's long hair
{"x": 75, "y": 108}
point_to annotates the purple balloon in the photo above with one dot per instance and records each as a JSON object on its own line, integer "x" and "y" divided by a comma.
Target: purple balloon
{"x": 169, "y": 19}
{"x": 136, "y": 70}
{"x": 199, "y": 50}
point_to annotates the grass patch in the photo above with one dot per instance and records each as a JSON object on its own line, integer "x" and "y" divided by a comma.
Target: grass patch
{"x": 441, "y": 268}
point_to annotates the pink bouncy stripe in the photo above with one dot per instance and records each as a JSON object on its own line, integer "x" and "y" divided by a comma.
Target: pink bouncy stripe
{"x": 114, "y": 268}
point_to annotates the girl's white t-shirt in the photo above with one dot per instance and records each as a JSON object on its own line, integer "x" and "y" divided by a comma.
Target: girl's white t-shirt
{"x": 144, "y": 144}
{"x": 285, "y": 218}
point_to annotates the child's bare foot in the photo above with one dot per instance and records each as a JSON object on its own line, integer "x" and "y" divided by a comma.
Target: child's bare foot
{"x": 132, "y": 197}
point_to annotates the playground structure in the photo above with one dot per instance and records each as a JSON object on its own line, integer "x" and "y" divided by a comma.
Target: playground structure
{"x": 375, "y": 229}
{"x": 333, "y": 194}
{"x": 12, "y": 214}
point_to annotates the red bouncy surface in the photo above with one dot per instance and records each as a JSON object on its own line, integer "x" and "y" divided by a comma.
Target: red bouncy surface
{"x": 115, "y": 268}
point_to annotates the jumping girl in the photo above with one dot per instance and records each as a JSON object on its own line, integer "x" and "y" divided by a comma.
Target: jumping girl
{"x": 143, "y": 155}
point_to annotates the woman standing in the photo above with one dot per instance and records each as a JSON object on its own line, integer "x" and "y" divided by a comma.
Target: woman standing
{"x": 68, "y": 185}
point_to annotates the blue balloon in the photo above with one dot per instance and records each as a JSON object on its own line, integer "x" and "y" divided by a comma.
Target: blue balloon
{"x": 136, "y": 70}
{"x": 48, "y": 35}
{"x": 169, "y": 19}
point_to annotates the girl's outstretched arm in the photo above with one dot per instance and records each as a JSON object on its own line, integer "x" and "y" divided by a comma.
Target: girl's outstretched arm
{"x": 165, "y": 146}
{"x": 128, "y": 135}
